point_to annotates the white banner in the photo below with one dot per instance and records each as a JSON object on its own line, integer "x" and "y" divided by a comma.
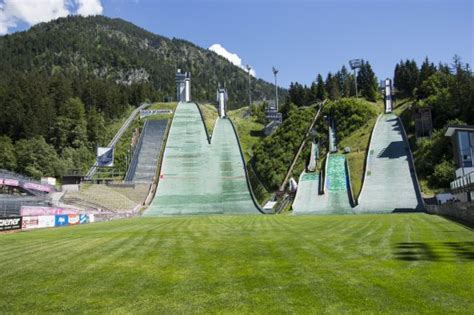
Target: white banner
{"x": 30, "y": 222}
{"x": 46, "y": 221}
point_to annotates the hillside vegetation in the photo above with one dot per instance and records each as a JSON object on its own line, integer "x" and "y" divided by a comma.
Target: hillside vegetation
{"x": 67, "y": 84}
{"x": 273, "y": 156}
{"x": 449, "y": 92}
{"x": 356, "y": 119}
{"x": 118, "y": 50}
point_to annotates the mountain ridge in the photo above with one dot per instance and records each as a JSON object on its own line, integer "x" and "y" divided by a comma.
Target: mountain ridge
{"x": 119, "y": 50}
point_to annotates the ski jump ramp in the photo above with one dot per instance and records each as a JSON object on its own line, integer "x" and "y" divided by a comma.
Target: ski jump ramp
{"x": 198, "y": 177}
{"x": 390, "y": 183}
{"x": 335, "y": 198}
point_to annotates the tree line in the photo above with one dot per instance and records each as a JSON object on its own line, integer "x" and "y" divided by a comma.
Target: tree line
{"x": 51, "y": 124}
{"x": 335, "y": 86}
{"x": 449, "y": 91}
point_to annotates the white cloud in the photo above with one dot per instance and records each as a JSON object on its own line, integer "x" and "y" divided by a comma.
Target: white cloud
{"x": 89, "y": 7}
{"x": 35, "y": 11}
{"x": 233, "y": 58}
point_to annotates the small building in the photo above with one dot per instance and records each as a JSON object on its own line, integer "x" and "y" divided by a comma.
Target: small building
{"x": 463, "y": 145}
{"x": 423, "y": 122}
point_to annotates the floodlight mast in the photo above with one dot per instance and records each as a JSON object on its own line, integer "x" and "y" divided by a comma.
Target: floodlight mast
{"x": 250, "y": 90}
{"x": 355, "y": 64}
{"x": 275, "y": 72}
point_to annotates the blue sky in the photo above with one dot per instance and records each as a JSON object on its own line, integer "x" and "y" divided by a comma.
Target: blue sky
{"x": 304, "y": 38}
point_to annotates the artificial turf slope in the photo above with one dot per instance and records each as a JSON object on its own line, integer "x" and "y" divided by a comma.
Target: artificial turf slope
{"x": 242, "y": 264}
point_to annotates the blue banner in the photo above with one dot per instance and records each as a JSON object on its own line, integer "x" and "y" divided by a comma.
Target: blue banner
{"x": 105, "y": 156}
{"x": 61, "y": 220}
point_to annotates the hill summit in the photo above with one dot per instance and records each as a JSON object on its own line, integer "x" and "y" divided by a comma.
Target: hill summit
{"x": 118, "y": 50}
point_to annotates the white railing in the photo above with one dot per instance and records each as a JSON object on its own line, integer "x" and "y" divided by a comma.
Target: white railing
{"x": 463, "y": 182}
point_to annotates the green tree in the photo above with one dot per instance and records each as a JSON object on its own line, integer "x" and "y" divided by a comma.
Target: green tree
{"x": 367, "y": 82}
{"x": 7, "y": 154}
{"x": 321, "y": 93}
{"x": 406, "y": 77}
{"x": 96, "y": 130}
{"x": 36, "y": 158}
{"x": 332, "y": 86}
{"x": 427, "y": 70}
{"x": 287, "y": 109}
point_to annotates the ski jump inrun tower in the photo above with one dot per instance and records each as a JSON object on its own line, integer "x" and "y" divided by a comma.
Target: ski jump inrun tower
{"x": 388, "y": 96}
{"x": 183, "y": 86}
{"x": 222, "y": 101}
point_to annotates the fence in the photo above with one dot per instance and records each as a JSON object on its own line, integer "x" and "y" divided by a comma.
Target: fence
{"x": 463, "y": 211}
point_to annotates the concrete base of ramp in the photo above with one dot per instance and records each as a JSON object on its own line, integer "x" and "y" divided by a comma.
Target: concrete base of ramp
{"x": 389, "y": 184}
{"x": 198, "y": 177}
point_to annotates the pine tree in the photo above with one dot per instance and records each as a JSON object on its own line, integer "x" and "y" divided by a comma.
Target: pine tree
{"x": 321, "y": 93}
{"x": 345, "y": 84}
{"x": 427, "y": 69}
{"x": 332, "y": 87}
{"x": 367, "y": 82}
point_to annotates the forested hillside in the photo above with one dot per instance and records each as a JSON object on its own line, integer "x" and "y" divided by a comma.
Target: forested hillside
{"x": 449, "y": 91}
{"x": 65, "y": 82}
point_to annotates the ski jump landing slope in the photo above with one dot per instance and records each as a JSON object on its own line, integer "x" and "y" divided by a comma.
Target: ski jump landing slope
{"x": 389, "y": 183}
{"x": 201, "y": 178}
{"x": 307, "y": 196}
{"x": 335, "y": 199}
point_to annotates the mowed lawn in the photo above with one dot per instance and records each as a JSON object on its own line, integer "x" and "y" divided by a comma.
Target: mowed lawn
{"x": 242, "y": 264}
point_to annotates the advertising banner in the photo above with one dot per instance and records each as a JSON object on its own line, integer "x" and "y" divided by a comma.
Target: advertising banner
{"x": 30, "y": 222}
{"x": 11, "y": 182}
{"x": 83, "y": 219}
{"x": 1, "y": 181}
{"x": 73, "y": 219}
{"x": 38, "y": 187}
{"x": 46, "y": 221}
{"x": 61, "y": 220}
{"x": 10, "y": 223}
{"x": 35, "y": 210}
{"x": 105, "y": 156}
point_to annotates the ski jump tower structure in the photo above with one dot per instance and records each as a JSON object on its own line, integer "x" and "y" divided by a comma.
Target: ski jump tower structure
{"x": 388, "y": 96}
{"x": 183, "y": 86}
{"x": 222, "y": 101}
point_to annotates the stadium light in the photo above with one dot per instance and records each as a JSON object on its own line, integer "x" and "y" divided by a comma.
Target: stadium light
{"x": 355, "y": 64}
{"x": 250, "y": 90}
{"x": 275, "y": 72}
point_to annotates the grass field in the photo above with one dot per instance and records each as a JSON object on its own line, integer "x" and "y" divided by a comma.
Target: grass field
{"x": 406, "y": 263}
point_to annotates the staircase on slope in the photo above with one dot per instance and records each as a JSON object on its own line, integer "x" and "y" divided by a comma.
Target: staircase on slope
{"x": 145, "y": 161}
